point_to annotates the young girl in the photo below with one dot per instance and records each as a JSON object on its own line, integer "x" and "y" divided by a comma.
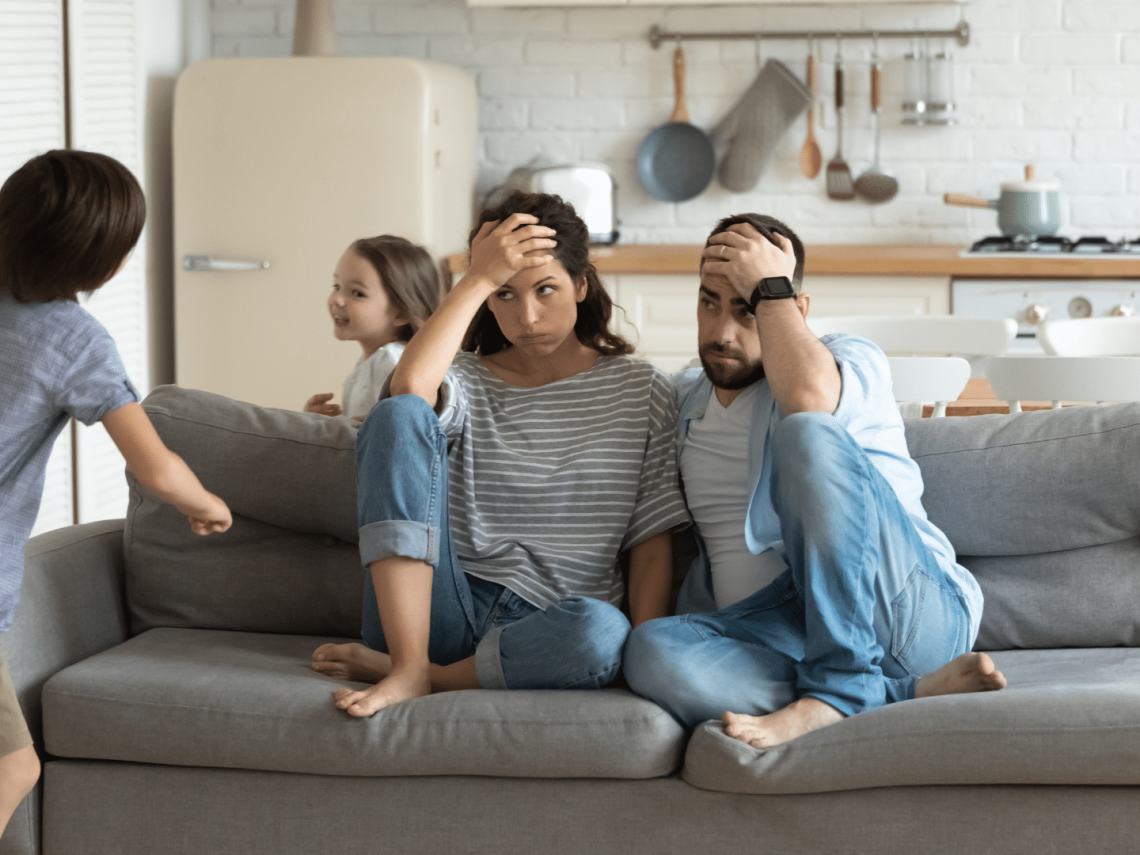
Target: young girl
{"x": 68, "y": 220}
{"x": 384, "y": 288}
{"x": 494, "y": 564}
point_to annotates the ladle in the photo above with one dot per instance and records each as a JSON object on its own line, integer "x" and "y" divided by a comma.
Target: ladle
{"x": 876, "y": 185}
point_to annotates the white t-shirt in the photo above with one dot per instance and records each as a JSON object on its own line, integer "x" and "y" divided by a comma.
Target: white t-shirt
{"x": 362, "y": 387}
{"x": 718, "y": 489}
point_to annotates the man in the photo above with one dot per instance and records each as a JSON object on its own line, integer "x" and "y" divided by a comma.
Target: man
{"x": 820, "y": 590}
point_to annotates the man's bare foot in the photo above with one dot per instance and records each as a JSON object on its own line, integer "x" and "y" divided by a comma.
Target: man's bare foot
{"x": 351, "y": 662}
{"x": 970, "y": 672}
{"x": 796, "y": 719}
{"x": 398, "y": 686}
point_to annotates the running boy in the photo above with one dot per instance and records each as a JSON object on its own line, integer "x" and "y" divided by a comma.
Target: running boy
{"x": 68, "y": 220}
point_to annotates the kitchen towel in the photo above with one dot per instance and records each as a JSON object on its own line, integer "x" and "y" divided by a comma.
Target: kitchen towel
{"x": 754, "y": 126}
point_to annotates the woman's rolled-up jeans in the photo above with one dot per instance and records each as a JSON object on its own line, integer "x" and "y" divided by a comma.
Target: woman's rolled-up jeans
{"x": 401, "y": 487}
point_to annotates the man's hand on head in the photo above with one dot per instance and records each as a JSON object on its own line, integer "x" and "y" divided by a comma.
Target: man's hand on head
{"x": 743, "y": 256}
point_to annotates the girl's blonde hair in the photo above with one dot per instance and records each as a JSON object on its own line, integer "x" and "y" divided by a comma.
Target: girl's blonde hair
{"x": 409, "y": 276}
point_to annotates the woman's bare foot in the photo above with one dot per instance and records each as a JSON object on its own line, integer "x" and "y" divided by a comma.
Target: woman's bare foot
{"x": 400, "y": 685}
{"x": 970, "y": 672}
{"x": 351, "y": 662}
{"x": 796, "y": 719}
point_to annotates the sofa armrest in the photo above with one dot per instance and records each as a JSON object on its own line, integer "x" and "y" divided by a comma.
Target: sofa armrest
{"x": 71, "y": 607}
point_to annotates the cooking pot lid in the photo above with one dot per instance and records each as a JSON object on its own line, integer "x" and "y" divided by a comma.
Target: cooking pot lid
{"x": 1030, "y": 186}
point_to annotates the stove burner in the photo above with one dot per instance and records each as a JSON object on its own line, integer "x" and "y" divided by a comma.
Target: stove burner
{"x": 1055, "y": 245}
{"x": 1095, "y": 244}
{"x": 1050, "y": 243}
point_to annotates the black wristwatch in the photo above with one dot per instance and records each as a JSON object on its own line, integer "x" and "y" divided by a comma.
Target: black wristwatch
{"x": 772, "y": 288}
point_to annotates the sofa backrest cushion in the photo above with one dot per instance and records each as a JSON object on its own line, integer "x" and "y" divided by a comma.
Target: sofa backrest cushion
{"x": 290, "y": 563}
{"x": 1044, "y": 509}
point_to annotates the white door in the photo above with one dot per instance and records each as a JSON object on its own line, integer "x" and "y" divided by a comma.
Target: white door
{"x": 287, "y": 161}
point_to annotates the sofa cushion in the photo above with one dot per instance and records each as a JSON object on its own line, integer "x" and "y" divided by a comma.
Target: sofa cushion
{"x": 290, "y": 563}
{"x": 1031, "y": 483}
{"x": 1066, "y": 717}
{"x": 187, "y": 697}
{"x": 1074, "y": 598}
{"x": 1043, "y": 508}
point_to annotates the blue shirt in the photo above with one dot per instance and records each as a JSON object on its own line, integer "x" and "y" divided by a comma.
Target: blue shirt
{"x": 868, "y": 411}
{"x": 56, "y": 362}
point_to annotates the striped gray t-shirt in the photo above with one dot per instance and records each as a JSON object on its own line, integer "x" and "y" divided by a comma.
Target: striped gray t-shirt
{"x": 547, "y": 485}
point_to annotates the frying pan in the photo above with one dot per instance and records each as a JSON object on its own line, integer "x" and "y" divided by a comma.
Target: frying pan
{"x": 676, "y": 160}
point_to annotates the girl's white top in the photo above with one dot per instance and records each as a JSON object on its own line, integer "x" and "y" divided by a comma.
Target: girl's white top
{"x": 362, "y": 387}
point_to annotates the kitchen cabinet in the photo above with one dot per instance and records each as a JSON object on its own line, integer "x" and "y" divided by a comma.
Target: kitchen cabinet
{"x": 659, "y": 311}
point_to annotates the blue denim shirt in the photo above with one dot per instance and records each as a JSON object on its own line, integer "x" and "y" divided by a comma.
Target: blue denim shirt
{"x": 56, "y": 362}
{"x": 867, "y": 409}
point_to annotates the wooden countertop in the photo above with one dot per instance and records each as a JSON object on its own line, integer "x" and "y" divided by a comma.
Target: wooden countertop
{"x": 895, "y": 259}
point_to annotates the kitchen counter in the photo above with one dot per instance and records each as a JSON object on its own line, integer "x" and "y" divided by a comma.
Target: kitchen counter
{"x": 897, "y": 259}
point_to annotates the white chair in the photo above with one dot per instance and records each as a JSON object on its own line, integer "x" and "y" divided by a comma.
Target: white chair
{"x": 918, "y": 379}
{"x": 1064, "y": 378}
{"x": 927, "y": 335}
{"x": 1091, "y": 337}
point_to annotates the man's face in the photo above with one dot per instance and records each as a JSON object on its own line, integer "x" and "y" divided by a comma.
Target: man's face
{"x": 729, "y": 343}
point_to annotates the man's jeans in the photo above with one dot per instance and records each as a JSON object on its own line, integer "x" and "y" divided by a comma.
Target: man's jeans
{"x": 862, "y": 611}
{"x": 401, "y": 487}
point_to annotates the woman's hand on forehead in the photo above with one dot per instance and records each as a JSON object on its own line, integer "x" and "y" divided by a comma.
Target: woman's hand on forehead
{"x": 502, "y": 248}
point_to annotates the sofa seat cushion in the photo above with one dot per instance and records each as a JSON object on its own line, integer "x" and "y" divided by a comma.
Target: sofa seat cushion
{"x": 1065, "y": 717}
{"x": 214, "y": 698}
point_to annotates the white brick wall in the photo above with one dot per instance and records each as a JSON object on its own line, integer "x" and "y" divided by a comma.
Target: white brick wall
{"x": 1055, "y": 82}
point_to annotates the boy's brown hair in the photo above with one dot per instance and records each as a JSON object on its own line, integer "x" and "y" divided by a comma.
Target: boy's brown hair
{"x": 67, "y": 220}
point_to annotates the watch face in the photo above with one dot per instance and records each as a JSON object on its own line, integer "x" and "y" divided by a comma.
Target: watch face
{"x": 778, "y": 286}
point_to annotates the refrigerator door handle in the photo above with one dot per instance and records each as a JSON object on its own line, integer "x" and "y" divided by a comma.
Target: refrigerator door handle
{"x": 208, "y": 263}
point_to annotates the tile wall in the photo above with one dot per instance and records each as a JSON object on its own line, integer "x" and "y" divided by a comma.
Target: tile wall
{"x": 1052, "y": 82}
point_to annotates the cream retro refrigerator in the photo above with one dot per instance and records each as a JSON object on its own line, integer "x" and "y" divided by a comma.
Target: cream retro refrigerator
{"x": 279, "y": 164}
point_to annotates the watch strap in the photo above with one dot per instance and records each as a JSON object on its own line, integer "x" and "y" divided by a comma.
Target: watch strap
{"x": 761, "y": 292}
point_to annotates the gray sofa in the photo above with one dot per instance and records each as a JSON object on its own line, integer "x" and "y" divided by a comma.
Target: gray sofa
{"x": 167, "y": 681}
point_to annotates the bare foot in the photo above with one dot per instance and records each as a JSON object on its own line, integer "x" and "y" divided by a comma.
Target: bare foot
{"x": 970, "y": 672}
{"x": 351, "y": 662}
{"x": 796, "y": 719}
{"x": 398, "y": 686}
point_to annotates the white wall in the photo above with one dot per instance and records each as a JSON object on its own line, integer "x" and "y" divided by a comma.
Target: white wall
{"x": 173, "y": 33}
{"x": 1053, "y": 82}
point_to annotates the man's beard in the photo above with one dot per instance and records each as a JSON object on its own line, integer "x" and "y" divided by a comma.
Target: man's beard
{"x": 726, "y": 377}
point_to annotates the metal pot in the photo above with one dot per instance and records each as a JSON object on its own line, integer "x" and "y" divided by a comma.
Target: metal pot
{"x": 1026, "y": 207}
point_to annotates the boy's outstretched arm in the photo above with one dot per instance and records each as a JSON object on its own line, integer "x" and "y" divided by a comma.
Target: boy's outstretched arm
{"x": 162, "y": 471}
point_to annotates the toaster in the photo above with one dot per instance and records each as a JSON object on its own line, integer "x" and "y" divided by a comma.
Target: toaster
{"x": 589, "y": 187}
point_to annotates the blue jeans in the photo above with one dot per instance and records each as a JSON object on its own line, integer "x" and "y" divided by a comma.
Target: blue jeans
{"x": 862, "y": 611}
{"x": 401, "y": 488}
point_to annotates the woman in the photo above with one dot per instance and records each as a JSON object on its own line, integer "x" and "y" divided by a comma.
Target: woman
{"x": 495, "y": 564}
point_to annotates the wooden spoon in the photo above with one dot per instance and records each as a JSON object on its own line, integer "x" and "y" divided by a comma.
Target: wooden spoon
{"x": 811, "y": 158}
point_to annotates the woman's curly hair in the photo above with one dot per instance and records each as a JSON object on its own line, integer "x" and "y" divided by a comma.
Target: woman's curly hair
{"x": 592, "y": 326}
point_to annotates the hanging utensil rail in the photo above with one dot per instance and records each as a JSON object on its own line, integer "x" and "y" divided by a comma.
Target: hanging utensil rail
{"x": 961, "y": 33}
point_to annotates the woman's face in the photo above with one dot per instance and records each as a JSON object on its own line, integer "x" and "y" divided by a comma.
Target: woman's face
{"x": 537, "y": 308}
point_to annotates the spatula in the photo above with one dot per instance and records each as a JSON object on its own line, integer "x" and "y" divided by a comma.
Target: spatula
{"x": 839, "y": 183}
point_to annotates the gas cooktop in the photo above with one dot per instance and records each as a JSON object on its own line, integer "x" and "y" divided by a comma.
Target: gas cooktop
{"x": 1025, "y": 245}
